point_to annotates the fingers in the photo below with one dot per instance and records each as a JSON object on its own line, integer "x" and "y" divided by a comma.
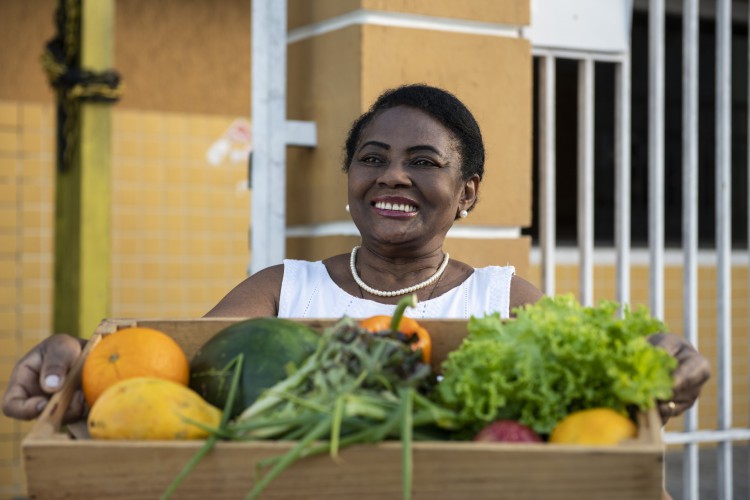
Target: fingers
{"x": 59, "y": 352}
{"x": 18, "y": 404}
{"x": 23, "y": 398}
{"x": 39, "y": 374}
{"x": 666, "y": 410}
{"x": 693, "y": 370}
{"x": 76, "y": 409}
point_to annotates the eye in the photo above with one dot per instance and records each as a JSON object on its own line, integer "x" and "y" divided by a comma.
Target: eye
{"x": 371, "y": 159}
{"x": 424, "y": 162}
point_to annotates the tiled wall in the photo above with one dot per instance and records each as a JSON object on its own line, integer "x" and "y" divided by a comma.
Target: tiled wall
{"x": 179, "y": 239}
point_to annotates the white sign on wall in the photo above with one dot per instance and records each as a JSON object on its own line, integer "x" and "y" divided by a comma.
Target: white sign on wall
{"x": 580, "y": 25}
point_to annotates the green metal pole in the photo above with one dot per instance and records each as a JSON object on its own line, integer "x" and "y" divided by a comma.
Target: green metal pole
{"x": 83, "y": 214}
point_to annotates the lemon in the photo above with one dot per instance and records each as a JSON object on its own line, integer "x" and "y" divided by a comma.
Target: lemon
{"x": 595, "y": 426}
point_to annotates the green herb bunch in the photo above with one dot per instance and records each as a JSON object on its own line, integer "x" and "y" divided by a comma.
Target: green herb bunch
{"x": 556, "y": 357}
{"x": 358, "y": 387}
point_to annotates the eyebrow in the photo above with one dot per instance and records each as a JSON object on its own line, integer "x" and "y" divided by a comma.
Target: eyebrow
{"x": 419, "y": 147}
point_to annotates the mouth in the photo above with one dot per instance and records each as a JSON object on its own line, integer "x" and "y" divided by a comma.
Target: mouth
{"x": 395, "y": 207}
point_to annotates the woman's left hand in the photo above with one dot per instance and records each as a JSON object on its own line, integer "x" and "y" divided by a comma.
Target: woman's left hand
{"x": 693, "y": 370}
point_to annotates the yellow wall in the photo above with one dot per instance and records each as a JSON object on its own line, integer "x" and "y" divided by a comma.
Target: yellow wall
{"x": 179, "y": 230}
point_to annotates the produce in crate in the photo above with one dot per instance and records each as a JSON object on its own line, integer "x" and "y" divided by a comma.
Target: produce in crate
{"x": 517, "y": 380}
{"x": 596, "y": 426}
{"x": 269, "y": 346}
{"x": 151, "y": 408}
{"x": 357, "y": 387}
{"x": 555, "y": 358}
{"x": 132, "y": 352}
{"x": 419, "y": 336}
{"x": 507, "y": 431}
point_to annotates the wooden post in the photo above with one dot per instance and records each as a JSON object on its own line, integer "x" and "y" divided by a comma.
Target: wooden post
{"x": 82, "y": 217}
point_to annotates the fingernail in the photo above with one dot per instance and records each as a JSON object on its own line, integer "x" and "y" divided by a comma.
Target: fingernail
{"x": 52, "y": 381}
{"x": 40, "y": 405}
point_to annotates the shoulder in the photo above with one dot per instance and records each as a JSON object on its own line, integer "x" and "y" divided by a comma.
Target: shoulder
{"x": 257, "y": 295}
{"x": 523, "y": 293}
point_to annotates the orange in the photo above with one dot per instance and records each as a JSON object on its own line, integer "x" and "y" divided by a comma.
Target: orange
{"x": 595, "y": 426}
{"x": 133, "y": 352}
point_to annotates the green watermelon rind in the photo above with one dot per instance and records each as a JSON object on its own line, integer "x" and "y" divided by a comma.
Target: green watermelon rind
{"x": 269, "y": 346}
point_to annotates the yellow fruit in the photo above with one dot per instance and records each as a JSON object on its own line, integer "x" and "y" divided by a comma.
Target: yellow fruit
{"x": 595, "y": 426}
{"x": 150, "y": 408}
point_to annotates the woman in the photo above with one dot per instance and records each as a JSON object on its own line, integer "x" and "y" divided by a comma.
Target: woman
{"x": 414, "y": 163}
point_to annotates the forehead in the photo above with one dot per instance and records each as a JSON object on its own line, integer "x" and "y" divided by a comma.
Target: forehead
{"x": 404, "y": 124}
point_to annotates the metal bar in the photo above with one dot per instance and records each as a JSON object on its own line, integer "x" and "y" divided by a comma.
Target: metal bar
{"x": 83, "y": 186}
{"x": 577, "y": 54}
{"x": 656, "y": 155}
{"x": 622, "y": 180}
{"x": 269, "y": 138}
{"x": 547, "y": 176}
{"x": 586, "y": 180}
{"x": 706, "y": 436}
{"x": 723, "y": 239}
{"x": 690, "y": 473}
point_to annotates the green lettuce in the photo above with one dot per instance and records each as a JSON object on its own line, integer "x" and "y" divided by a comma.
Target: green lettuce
{"x": 556, "y": 357}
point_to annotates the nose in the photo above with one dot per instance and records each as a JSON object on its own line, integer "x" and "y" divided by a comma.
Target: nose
{"x": 395, "y": 174}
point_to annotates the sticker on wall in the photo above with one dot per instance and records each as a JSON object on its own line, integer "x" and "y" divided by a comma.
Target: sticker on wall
{"x": 236, "y": 144}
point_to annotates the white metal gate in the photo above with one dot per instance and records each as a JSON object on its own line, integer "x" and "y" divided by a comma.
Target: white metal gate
{"x": 587, "y": 53}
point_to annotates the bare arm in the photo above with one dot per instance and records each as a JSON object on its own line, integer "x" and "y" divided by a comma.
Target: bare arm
{"x": 257, "y": 296}
{"x": 523, "y": 293}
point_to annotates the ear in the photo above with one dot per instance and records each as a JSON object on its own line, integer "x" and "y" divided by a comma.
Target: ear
{"x": 470, "y": 193}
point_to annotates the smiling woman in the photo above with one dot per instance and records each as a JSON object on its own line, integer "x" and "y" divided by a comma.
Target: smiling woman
{"x": 414, "y": 164}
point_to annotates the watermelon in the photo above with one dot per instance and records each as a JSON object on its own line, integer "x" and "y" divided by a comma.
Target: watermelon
{"x": 269, "y": 345}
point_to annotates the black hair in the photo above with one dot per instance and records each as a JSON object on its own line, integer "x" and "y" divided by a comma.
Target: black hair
{"x": 441, "y": 105}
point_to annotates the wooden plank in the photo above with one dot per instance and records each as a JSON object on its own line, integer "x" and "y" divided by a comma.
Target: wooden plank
{"x": 441, "y": 470}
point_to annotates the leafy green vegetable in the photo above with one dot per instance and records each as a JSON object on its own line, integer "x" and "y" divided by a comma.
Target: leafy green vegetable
{"x": 556, "y": 357}
{"x": 358, "y": 387}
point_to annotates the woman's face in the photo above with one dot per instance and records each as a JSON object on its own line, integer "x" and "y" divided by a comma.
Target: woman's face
{"x": 405, "y": 183}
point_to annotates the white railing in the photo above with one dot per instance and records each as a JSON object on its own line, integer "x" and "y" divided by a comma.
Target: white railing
{"x": 550, "y": 254}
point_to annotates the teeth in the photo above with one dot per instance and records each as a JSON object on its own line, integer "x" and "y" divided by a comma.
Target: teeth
{"x": 397, "y": 207}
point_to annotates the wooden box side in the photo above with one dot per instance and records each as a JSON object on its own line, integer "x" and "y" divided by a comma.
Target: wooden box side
{"x": 135, "y": 470}
{"x": 58, "y": 466}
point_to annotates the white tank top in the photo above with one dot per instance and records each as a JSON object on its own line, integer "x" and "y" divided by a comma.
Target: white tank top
{"x": 307, "y": 291}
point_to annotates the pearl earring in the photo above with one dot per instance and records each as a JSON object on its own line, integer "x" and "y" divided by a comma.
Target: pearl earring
{"x": 346, "y": 207}
{"x": 463, "y": 214}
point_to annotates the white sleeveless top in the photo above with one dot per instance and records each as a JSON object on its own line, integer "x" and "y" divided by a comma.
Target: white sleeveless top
{"x": 307, "y": 291}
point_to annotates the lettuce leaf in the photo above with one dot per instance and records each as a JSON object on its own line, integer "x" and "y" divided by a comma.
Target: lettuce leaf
{"x": 556, "y": 357}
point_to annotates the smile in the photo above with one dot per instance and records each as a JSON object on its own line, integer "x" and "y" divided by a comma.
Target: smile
{"x": 396, "y": 207}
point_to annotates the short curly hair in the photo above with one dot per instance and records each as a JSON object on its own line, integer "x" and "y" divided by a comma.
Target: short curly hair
{"x": 441, "y": 105}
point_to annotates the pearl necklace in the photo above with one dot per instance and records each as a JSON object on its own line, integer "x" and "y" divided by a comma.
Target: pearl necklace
{"x": 395, "y": 293}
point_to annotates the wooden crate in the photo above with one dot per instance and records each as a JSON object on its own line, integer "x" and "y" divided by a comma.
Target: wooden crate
{"x": 59, "y": 466}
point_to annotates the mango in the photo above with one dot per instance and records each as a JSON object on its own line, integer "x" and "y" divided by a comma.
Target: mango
{"x": 151, "y": 408}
